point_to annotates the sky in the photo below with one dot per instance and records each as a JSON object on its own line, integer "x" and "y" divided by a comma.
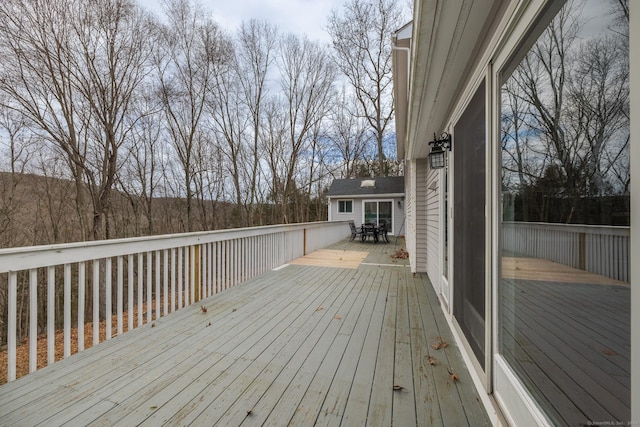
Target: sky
{"x": 297, "y": 16}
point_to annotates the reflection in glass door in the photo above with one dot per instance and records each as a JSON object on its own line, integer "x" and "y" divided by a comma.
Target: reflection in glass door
{"x": 445, "y": 290}
{"x": 564, "y": 289}
{"x": 376, "y": 212}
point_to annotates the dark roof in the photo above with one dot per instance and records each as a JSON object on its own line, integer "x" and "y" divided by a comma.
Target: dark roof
{"x": 352, "y": 187}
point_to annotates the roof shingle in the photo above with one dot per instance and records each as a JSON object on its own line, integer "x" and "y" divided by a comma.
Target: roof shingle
{"x": 352, "y": 187}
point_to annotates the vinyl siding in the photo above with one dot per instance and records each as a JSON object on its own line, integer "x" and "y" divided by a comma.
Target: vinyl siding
{"x": 358, "y": 211}
{"x": 433, "y": 225}
{"x": 410, "y": 222}
{"x": 421, "y": 215}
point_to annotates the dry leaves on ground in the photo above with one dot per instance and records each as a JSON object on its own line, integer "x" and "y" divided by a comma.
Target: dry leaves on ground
{"x": 22, "y": 347}
{"x": 401, "y": 254}
{"x": 453, "y": 376}
{"x": 440, "y": 344}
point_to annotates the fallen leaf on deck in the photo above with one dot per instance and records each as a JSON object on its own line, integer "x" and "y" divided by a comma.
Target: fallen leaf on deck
{"x": 436, "y": 346}
{"x": 338, "y": 317}
{"x": 400, "y": 253}
{"x": 609, "y": 352}
{"x": 432, "y": 360}
{"x": 441, "y": 343}
{"x": 250, "y": 411}
{"x": 153, "y": 325}
{"x": 398, "y": 388}
{"x": 233, "y": 310}
{"x": 319, "y": 308}
{"x": 154, "y": 407}
{"x": 453, "y": 376}
{"x": 203, "y": 309}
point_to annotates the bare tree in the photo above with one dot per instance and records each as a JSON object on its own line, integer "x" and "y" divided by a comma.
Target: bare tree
{"x": 193, "y": 48}
{"x": 231, "y": 120}
{"x": 360, "y": 37}
{"x": 348, "y": 136}
{"x": 257, "y": 44}
{"x": 74, "y": 66}
{"x": 566, "y": 113}
{"x": 17, "y": 148}
{"x": 140, "y": 175}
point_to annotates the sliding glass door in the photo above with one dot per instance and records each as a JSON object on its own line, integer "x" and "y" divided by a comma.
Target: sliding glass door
{"x": 379, "y": 211}
{"x": 564, "y": 286}
{"x": 469, "y": 222}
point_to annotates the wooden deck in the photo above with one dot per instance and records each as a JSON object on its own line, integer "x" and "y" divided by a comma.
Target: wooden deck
{"x": 300, "y": 345}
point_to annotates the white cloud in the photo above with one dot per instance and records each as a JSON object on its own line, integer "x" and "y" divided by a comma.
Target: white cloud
{"x": 296, "y": 16}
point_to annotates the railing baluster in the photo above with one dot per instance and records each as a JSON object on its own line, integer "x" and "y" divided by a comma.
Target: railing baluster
{"x": 119, "y": 297}
{"x": 33, "y": 320}
{"x": 238, "y": 261}
{"x": 107, "y": 302}
{"x": 192, "y": 272}
{"x": 209, "y": 275}
{"x": 187, "y": 275}
{"x": 130, "y": 286}
{"x": 11, "y": 325}
{"x": 66, "y": 311}
{"x": 140, "y": 293}
{"x": 165, "y": 281}
{"x": 149, "y": 278}
{"x": 218, "y": 266}
{"x": 158, "y": 302}
{"x": 81, "y": 296}
{"x": 51, "y": 315}
{"x": 96, "y": 302}
{"x": 179, "y": 275}
{"x": 173, "y": 280}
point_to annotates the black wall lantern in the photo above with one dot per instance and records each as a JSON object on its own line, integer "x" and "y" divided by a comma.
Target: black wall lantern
{"x": 437, "y": 156}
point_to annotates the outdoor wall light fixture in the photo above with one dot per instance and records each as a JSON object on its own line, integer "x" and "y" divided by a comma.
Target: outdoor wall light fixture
{"x": 437, "y": 156}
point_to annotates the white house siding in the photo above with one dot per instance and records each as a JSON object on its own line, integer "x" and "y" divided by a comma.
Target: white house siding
{"x": 409, "y": 211}
{"x": 433, "y": 225}
{"x": 355, "y": 216}
{"x": 398, "y": 217}
{"x": 422, "y": 215}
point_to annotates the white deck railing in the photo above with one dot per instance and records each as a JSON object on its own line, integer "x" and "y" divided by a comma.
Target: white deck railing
{"x": 598, "y": 249}
{"x": 170, "y": 272}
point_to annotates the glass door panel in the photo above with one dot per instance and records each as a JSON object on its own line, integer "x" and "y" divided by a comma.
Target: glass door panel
{"x": 385, "y": 214}
{"x": 370, "y": 212}
{"x": 469, "y": 159}
{"x": 564, "y": 288}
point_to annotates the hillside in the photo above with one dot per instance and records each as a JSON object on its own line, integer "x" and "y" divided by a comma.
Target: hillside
{"x": 39, "y": 210}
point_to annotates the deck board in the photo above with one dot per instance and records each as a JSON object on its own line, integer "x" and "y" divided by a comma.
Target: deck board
{"x": 301, "y": 345}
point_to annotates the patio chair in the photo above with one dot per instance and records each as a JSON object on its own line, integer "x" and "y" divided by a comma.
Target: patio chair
{"x": 369, "y": 229}
{"x": 354, "y": 230}
{"x": 383, "y": 231}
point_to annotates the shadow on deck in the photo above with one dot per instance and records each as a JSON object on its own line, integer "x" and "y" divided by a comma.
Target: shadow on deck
{"x": 322, "y": 344}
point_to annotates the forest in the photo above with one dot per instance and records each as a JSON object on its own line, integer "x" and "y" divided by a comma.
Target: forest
{"x": 115, "y": 122}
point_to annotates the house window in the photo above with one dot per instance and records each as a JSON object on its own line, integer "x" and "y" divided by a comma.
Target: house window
{"x": 564, "y": 290}
{"x": 345, "y": 206}
{"x": 379, "y": 211}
